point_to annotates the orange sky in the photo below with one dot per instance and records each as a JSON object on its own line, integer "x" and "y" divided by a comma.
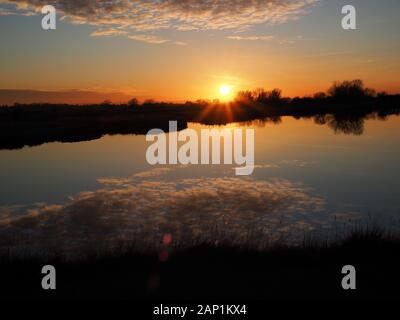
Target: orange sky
{"x": 299, "y": 47}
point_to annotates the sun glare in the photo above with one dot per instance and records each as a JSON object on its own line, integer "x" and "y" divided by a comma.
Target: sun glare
{"x": 225, "y": 90}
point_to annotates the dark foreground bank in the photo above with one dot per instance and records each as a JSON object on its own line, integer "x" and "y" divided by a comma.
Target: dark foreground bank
{"x": 205, "y": 273}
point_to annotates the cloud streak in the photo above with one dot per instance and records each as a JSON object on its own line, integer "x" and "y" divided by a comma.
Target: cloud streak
{"x": 138, "y": 16}
{"x": 251, "y": 38}
{"x": 108, "y": 32}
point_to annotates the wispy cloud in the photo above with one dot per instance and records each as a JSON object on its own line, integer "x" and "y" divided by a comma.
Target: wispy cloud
{"x": 329, "y": 54}
{"x": 153, "y": 172}
{"x": 108, "y": 32}
{"x": 148, "y": 39}
{"x": 251, "y": 38}
{"x": 74, "y": 96}
{"x": 142, "y": 16}
{"x": 180, "y": 43}
{"x": 6, "y": 12}
{"x": 263, "y": 38}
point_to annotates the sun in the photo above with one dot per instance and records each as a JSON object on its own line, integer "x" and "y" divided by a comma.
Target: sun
{"x": 225, "y": 90}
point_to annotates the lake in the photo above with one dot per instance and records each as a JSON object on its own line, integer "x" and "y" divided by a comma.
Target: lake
{"x": 311, "y": 179}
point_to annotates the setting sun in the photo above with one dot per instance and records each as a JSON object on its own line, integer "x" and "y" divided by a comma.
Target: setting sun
{"x": 225, "y": 90}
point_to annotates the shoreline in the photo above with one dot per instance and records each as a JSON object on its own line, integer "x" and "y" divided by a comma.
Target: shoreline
{"x": 36, "y": 124}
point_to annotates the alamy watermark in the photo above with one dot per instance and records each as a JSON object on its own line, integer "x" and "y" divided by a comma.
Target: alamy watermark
{"x": 49, "y": 21}
{"x": 202, "y": 149}
{"x": 49, "y": 280}
{"x": 349, "y": 280}
{"x": 349, "y": 21}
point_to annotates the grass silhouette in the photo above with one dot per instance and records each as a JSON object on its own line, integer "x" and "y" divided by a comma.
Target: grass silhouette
{"x": 311, "y": 271}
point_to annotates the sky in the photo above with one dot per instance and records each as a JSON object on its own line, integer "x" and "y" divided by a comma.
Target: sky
{"x": 177, "y": 50}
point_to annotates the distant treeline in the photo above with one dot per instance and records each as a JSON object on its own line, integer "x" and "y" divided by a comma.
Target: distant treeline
{"x": 349, "y": 102}
{"x": 347, "y": 92}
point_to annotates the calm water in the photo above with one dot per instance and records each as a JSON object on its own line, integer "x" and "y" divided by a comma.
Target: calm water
{"x": 308, "y": 178}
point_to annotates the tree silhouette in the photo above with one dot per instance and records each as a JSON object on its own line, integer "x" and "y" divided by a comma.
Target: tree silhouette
{"x": 350, "y": 90}
{"x": 133, "y": 102}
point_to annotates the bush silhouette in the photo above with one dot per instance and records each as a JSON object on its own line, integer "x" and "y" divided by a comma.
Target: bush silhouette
{"x": 350, "y": 90}
{"x": 149, "y": 102}
{"x": 319, "y": 96}
{"x": 133, "y": 102}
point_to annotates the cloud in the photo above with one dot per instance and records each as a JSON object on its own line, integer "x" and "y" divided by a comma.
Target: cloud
{"x": 148, "y": 39}
{"x": 329, "y": 54}
{"x": 192, "y": 210}
{"x": 284, "y": 41}
{"x": 9, "y": 97}
{"x": 154, "y": 172}
{"x": 266, "y": 166}
{"x": 261, "y": 38}
{"x": 251, "y": 38}
{"x": 297, "y": 163}
{"x": 108, "y": 32}
{"x": 5, "y": 12}
{"x": 180, "y": 43}
{"x": 138, "y": 16}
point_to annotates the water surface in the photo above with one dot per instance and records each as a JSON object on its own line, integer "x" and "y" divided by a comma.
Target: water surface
{"x": 309, "y": 177}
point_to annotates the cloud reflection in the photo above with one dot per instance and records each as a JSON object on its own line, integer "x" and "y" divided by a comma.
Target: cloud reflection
{"x": 212, "y": 210}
